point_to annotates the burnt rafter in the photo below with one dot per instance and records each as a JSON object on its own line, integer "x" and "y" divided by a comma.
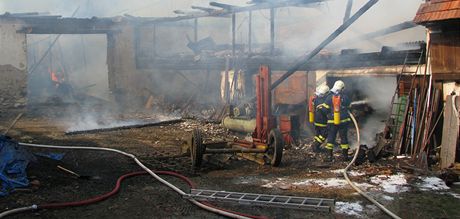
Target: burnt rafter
{"x": 206, "y": 9}
{"x": 57, "y": 25}
{"x": 347, "y": 59}
{"x": 224, "y": 10}
{"x": 43, "y": 23}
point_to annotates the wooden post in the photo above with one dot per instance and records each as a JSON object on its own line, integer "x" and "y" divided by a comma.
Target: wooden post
{"x": 272, "y": 31}
{"x": 195, "y": 30}
{"x": 154, "y": 40}
{"x": 449, "y": 133}
{"x": 233, "y": 37}
{"x": 250, "y": 33}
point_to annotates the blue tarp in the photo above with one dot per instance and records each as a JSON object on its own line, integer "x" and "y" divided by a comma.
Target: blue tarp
{"x": 13, "y": 163}
{"x": 53, "y": 156}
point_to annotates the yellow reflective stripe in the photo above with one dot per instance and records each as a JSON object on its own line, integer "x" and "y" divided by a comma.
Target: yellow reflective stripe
{"x": 318, "y": 139}
{"x": 344, "y": 146}
{"x": 320, "y": 125}
{"x": 329, "y": 146}
{"x": 323, "y": 105}
{"x": 343, "y": 120}
{"x": 322, "y": 137}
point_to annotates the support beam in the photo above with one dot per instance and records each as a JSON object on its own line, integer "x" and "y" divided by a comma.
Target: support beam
{"x": 223, "y": 6}
{"x": 195, "y": 30}
{"x": 348, "y": 10}
{"x": 229, "y": 9}
{"x": 272, "y": 31}
{"x": 250, "y": 33}
{"x": 233, "y": 39}
{"x": 155, "y": 40}
{"x": 326, "y": 42}
{"x": 206, "y": 9}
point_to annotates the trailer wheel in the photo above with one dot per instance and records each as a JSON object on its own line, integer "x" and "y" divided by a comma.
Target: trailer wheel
{"x": 197, "y": 148}
{"x": 275, "y": 147}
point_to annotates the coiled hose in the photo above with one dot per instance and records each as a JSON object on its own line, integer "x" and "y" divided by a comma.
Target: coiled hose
{"x": 361, "y": 192}
{"x": 204, "y": 205}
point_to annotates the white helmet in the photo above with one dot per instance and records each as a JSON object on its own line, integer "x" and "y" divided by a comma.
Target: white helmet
{"x": 338, "y": 86}
{"x": 322, "y": 90}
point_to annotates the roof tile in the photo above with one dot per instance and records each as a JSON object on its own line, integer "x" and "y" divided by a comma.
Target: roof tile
{"x": 438, "y": 10}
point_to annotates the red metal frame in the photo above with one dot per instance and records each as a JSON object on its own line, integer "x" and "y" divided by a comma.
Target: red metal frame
{"x": 264, "y": 118}
{"x": 265, "y": 121}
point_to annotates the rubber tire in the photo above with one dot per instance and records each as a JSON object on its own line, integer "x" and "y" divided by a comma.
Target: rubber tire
{"x": 197, "y": 148}
{"x": 275, "y": 146}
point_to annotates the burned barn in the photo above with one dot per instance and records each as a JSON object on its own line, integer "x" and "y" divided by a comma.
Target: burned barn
{"x": 240, "y": 109}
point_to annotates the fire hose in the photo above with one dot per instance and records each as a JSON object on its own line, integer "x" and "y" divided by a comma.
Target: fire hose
{"x": 204, "y": 205}
{"x": 199, "y": 204}
{"x": 361, "y": 192}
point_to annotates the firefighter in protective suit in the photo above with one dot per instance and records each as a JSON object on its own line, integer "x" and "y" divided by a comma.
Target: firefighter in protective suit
{"x": 318, "y": 116}
{"x": 338, "y": 120}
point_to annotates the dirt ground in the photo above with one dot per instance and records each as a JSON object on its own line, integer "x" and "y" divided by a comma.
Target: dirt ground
{"x": 160, "y": 149}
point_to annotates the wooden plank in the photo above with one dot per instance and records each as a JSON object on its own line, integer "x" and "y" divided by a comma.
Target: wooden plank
{"x": 445, "y": 56}
{"x": 449, "y": 135}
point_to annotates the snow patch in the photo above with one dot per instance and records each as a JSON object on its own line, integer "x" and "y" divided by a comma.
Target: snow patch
{"x": 351, "y": 173}
{"x": 432, "y": 183}
{"x": 455, "y": 195}
{"x": 325, "y": 183}
{"x": 387, "y": 198}
{"x": 278, "y": 181}
{"x": 391, "y": 184}
{"x": 349, "y": 208}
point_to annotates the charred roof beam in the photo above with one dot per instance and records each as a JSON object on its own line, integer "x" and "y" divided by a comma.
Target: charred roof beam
{"x": 230, "y": 9}
{"x": 67, "y": 26}
{"x": 226, "y": 7}
{"x": 205, "y": 9}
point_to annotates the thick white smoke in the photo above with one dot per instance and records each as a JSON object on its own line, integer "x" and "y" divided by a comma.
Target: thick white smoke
{"x": 298, "y": 30}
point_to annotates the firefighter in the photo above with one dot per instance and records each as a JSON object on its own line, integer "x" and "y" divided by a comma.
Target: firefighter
{"x": 318, "y": 116}
{"x": 338, "y": 120}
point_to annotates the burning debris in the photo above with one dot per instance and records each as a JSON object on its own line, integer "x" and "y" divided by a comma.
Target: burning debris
{"x": 124, "y": 125}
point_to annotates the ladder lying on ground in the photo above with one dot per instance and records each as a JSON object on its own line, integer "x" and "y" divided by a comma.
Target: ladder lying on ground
{"x": 293, "y": 202}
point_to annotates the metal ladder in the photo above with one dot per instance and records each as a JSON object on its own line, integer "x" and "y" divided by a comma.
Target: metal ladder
{"x": 293, "y": 202}
{"x": 399, "y": 102}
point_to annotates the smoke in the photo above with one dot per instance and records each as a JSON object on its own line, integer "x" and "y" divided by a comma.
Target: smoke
{"x": 297, "y": 30}
{"x": 106, "y": 8}
{"x": 301, "y": 29}
{"x": 378, "y": 91}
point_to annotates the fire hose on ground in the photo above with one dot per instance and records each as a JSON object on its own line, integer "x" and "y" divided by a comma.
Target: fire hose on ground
{"x": 199, "y": 204}
{"x": 361, "y": 192}
{"x": 203, "y": 205}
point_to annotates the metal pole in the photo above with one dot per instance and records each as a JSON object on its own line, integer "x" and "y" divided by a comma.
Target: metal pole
{"x": 272, "y": 31}
{"x": 328, "y": 40}
{"x": 250, "y": 33}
